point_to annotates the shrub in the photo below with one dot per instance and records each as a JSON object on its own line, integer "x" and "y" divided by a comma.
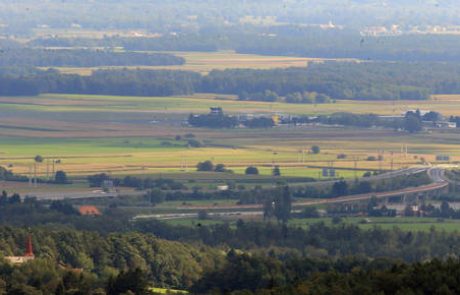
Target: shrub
{"x": 315, "y": 149}
{"x": 205, "y": 166}
{"x": 251, "y": 170}
{"x": 61, "y": 178}
{"x": 194, "y": 143}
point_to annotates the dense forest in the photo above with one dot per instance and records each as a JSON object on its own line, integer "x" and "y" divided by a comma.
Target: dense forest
{"x": 366, "y": 81}
{"x": 26, "y": 57}
{"x": 244, "y": 274}
{"x": 165, "y": 263}
{"x": 282, "y": 258}
{"x": 286, "y": 260}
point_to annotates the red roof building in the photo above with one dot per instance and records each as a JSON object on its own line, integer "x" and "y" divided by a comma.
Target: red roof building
{"x": 89, "y": 211}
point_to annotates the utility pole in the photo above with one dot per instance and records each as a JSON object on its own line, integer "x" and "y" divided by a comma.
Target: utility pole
{"x": 35, "y": 174}
{"x": 30, "y": 175}
{"x": 48, "y": 169}
{"x": 391, "y": 153}
{"x": 355, "y": 160}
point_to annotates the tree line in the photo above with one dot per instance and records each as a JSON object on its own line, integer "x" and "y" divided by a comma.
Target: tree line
{"x": 337, "y": 80}
{"x": 110, "y": 82}
{"x": 31, "y": 57}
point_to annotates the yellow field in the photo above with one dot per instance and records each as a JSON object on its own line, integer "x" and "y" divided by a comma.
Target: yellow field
{"x": 204, "y": 62}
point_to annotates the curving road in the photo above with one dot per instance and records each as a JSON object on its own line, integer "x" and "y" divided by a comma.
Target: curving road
{"x": 436, "y": 174}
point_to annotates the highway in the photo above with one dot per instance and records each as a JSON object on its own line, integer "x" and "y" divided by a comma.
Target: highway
{"x": 436, "y": 174}
{"x": 89, "y": 194}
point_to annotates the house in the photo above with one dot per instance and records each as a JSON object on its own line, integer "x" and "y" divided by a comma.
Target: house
{"x": 89, "y": 211}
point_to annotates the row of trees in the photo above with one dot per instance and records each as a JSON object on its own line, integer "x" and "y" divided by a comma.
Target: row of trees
{"x": 110, "y": 82}
{"x": 296, "y": 97}
{"x": 226, "y": 121}
{"x": 99, "y": 180}
{"x": 412, "y": 121}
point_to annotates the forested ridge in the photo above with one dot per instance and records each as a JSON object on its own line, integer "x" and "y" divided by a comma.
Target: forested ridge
{"x": 165, "y": 263}
{"x": 269, "y": 264}
{"x": 244, "y": 274}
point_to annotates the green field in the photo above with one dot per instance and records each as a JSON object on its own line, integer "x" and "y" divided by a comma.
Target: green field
{"x": 200, "y": 103}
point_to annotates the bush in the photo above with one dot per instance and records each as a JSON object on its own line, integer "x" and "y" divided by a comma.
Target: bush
{"x": 98, "y": 179}
{"x": 205, "y": 166}
{"x": 203, "y": 215}
{"x": 251, "y": 170}
{"x": 315, "y": 149}
{"x": 310, "y": 212}
{"x": 220, "y": 168}
{"x": 367, "y": 174}
{"x": 194, "y": 143}
{"x": 336, "y": 220}
{"x": 61, "y": 178}
{"x": 276, "y": 171}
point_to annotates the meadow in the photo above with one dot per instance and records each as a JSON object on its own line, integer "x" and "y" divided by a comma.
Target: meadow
{"x": 200, "y": 103}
